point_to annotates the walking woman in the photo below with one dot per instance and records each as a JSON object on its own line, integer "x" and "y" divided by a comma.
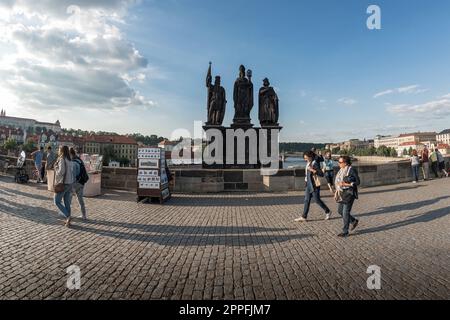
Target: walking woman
{"x": 329, "y": 171}
{"x": 312, "y": 174}
{"x": 63, "y": 183}
{"x": 415, "y": 164}
{"x": 346, "y": 184}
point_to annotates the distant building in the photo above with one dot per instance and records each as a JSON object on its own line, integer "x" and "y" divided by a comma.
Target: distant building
{"x": 387, "y": 141}
{"x": 12, "y": 133}
{"x": 443, "y": 137}
{"x": 167, "y": 145}
{"x": 27, "y": 124}
{"x": 408, "y": 146}
{"x": 396, "y": 142}
{"x": 123, "y": 146}
{"x": 444, "y": 148}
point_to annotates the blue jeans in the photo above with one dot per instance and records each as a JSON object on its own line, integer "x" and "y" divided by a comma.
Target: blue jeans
{"x": 345, "y": 210}
{"x": 67, "y": 196}
{"x": 415, "y": 172}
{"x": 316, "y": 195}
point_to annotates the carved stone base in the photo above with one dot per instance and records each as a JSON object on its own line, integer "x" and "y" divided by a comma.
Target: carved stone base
{"x": 250, "y": 146}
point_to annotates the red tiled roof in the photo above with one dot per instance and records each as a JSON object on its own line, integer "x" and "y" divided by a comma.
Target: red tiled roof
{"x": 110, "y": 139}
{"x": 167, "y": 143}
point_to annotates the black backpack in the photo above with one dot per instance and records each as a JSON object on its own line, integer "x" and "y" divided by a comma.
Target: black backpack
{"x": 83, "y": 176}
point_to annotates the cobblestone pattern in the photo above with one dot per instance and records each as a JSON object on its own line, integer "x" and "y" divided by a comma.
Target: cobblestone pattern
{"x": 237, "y": 246}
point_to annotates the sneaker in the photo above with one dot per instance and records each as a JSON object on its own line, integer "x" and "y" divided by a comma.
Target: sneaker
{"x": 328, "y": 216}
{"x": 343, "y": 235}
{"x": 354, "y": 225}
{"x": 414, "y": 181}
{"x": 301, "y": 219}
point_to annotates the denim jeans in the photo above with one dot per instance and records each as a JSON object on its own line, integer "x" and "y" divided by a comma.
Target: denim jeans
{"x": 345, "y": 210}
{"x": 415, "y": 172}
{"x": 435, "y": 168}
{"x": 316, "y": 195}
{"x": 78, "y": 190}
{"x": 426, "y": 170}
{"x": 66, "y": 195}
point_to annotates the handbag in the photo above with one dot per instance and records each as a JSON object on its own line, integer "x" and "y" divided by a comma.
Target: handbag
{"x": 58, "y": 188}
{"x": 316, "y": 179}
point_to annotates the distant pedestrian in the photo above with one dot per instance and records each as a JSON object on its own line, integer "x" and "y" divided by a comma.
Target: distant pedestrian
{"x": 415, "y": 164}
{"x": 79, "y": 177}
{"x": 347, "y": 182}
{"x": 328, "y": 168}
{"x": 441, "y": 161}
{"x": 63, "y": 183}
{"x": 51, "y": 159}
{"x": 434, "y": 163}
{"x": 38, "y": 156}
{"x": 318, "y": 156}
{"x": 425, "y": 159}
{"x": 312, "y": 174}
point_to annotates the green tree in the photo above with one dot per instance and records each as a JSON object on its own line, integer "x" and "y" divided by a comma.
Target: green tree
{"x": 405, "y": 152}
{"x": 410, "y": 151}
{"x": 109, "y": 155}
{"x": 10, "y": 144}
{"x": 29, "y": 146}
{"x": 393, "y": 153}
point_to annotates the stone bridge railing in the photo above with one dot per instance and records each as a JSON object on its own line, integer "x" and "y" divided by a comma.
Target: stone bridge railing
{"x": 212, "y": 181}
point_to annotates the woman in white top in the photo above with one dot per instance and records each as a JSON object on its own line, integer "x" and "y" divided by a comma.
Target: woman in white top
{"x": 415, "y": 164}
{"x": 64, "y": 175}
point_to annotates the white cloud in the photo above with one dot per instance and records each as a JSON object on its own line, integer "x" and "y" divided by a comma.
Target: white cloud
{"x": 412, "y": 89}
{"x": 430, "y": 110}
{"x": 66, "y": 56}
{"x": 347, "y": 101}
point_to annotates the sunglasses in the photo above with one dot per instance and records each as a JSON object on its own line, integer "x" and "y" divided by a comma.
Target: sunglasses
{"x": 341, "y": 162}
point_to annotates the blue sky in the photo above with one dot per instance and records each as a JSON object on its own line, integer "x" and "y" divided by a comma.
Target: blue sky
{"x": 335, "y": 78}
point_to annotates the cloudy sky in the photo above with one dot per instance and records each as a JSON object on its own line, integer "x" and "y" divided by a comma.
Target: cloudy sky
{"x": 139, "y": 66}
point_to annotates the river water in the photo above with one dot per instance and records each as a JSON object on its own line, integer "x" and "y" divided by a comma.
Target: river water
{"x": 297, "y": 162}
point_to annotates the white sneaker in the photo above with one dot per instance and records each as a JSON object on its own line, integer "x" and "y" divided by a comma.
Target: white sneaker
{"x": 301, "y": 219}
{"x": 328, "y": 216}
{"x": 414, "y": 181}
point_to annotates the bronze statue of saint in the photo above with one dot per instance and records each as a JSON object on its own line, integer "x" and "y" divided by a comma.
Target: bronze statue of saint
{"x": 268, "y": 105}
{"x": 243, "y": 97}
{"x": 216, "y": 100}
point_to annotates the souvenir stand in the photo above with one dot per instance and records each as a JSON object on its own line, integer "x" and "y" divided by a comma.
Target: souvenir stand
{"x": 152, "y": 179}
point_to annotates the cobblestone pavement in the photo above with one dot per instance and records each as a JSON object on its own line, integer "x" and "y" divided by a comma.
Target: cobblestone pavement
{"x": 222, "y": 246}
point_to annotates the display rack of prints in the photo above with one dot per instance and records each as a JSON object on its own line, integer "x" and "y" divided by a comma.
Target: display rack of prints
{"x": 152, "y": 179}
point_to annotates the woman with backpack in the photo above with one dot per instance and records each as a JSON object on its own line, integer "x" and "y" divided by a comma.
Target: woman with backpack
{"x": 79, "y": 176}
{"x": 346, "y": 184}
{"x": 63, "y": 183}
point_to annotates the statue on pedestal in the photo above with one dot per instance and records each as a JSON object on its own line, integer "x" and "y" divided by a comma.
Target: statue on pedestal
{"x": 216, "y": 100}
{"x": 268, "y": 105}
{"x": 243, "y": 97}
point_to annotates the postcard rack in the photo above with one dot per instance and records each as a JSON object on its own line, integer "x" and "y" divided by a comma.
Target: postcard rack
{"x": 152, "y": 179}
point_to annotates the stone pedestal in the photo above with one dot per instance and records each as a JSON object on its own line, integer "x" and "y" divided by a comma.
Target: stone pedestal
{"x": 234, "y": 136}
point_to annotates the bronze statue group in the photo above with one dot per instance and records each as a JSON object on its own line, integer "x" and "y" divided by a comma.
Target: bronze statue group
{"x": 243, "y": 101}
